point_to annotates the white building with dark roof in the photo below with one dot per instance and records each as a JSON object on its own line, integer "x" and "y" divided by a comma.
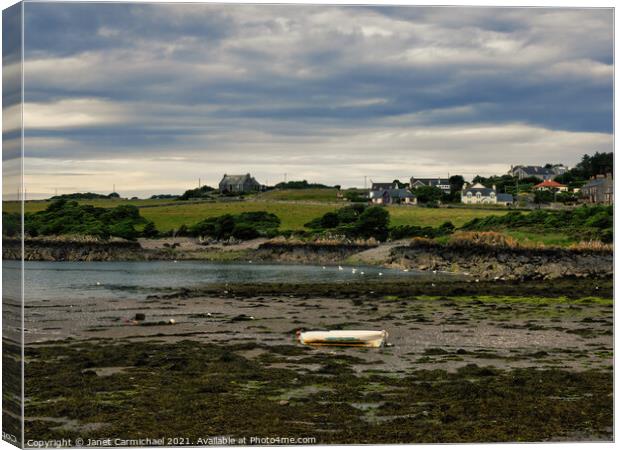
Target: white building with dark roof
{"x": 478, "y": 194}
{"x": 441, "y": 183}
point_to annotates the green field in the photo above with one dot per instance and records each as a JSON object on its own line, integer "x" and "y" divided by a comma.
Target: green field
{"x": 169, "y": 214}
{"x": 40, "y": 205}
{"x": 310, "y": 195}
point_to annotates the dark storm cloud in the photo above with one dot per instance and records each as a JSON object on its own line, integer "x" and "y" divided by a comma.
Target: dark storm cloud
{"x": 186, "y": 79}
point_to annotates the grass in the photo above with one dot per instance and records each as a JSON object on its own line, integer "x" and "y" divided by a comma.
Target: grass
{"x": 40, "y": 205}
{"x": 413, "y": 215}
{"x": 293, "y": 216}
{"x": 548, "y": 239}
{"x": 313, "y": 195}
{"x": 169, "y": 214}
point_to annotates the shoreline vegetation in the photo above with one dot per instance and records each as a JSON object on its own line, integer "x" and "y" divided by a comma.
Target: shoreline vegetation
{"x": 540, "y": 244}
{"x": 485, "y": 255}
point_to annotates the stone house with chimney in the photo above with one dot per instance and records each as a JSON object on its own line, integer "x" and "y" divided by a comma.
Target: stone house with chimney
{"x": 239, "y": 184}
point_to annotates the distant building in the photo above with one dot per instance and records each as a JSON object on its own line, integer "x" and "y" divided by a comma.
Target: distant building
{"x": 441, "y": 183}
{"x": 478, "y": 194}
{"x": 238, "y": 184}
{"x": 542, "y": 173}
{"x": 550, "y": 185}
{"x": 384, "y": 186}
{"x": 390, "y": 195}
{"x": 559, "y": 169}
{"x": 599, "y": 189}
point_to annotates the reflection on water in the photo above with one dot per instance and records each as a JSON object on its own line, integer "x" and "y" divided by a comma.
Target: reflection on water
{"x": 74, "y": 280}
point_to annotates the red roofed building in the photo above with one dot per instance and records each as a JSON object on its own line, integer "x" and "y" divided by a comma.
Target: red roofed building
{"x": 550, "y": 185}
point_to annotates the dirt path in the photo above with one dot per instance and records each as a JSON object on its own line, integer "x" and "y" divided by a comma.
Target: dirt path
{"x": 378, "y": 255}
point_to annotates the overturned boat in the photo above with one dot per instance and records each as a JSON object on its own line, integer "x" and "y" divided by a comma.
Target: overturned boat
{"x": 350, "y": 338}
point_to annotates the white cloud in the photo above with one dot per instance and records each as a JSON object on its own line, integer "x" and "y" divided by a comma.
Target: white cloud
{"x": 72, "y": 113}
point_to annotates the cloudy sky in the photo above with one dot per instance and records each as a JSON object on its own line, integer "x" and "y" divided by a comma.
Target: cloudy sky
{"x": 152, "y": 97}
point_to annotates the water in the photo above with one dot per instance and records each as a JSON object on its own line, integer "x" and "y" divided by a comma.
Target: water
{"x": 75, "y": 280}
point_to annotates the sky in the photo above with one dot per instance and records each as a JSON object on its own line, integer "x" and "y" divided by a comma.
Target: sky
{"x": 153, "y": 97}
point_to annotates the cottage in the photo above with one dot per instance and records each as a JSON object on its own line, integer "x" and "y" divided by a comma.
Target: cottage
{"x": 599, "y": 189}
{"x": 238, "y": 184}
{"x": 384, "y": 186}
{"x": 542, "y": 173}
{"x": 550, "y": 185}
{"x": 441, "y": 183}
{"x": 391, "y": 196}
{"x": 478, "y": 194}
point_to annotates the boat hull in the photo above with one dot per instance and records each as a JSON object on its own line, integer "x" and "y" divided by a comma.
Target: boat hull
{"x": 344, "y": 338}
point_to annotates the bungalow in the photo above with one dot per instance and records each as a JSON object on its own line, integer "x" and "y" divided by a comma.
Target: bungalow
{"x": 478, "y": 194}
{"x": 542, "y": 173}
{"x": 550, "y": 185}
{"x": 237, "y": 184}
{"x": 391, "y": 196}
{"x": 599, "y": 189}
{"x": 383, "y": 186}
{"x": 441, "y": 183}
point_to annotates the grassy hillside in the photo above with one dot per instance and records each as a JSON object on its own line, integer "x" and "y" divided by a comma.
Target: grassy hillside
{"x": 40, "y": 205}
{"x": 293, "y": 216}
{"x": 412, "y": 215}
{"x": 312, "y": 195}
{"x": 172, "y": 214}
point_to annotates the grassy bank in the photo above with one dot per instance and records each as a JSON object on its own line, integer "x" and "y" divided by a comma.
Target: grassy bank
{"x": 168, "y": 214}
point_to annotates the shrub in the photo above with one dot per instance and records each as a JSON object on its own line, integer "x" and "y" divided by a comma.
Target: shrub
{"x": 408, "y": 231}
{"x": 64, "y": 217}
{"x": 247, "y": 225}
{"x": 150, "y": 231}
{"x": 372, "y": 223}
{"x": 590, "y": 222}
{"x": 488, "y": 238}
{"x": 11, "y": 224}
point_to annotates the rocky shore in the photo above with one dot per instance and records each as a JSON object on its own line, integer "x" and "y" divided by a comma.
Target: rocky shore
{"x": 498, "y": 262}
{"x": 477, "y": 260}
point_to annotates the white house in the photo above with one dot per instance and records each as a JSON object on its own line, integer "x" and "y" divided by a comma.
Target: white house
{"x": 478, "y": 194}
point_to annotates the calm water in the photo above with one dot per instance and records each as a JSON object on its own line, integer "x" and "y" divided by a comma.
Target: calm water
{"x": 73, "y": 280}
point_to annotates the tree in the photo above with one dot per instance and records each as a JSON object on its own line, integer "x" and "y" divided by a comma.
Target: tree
{"x": 428, "y": 194}
{"x": 456, "y": 183}
{"x": 543, "y": 197}
{"x": 373, "y": 222}
{"x": 150, "y": 231}
{"x": 200, "y": 192}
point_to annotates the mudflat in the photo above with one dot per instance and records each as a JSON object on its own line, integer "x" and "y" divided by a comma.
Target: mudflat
{"x": 467, "y": 362}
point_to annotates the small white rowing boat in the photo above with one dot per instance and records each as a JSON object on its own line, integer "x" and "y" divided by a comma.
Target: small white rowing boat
{"x": 353, "y": 338}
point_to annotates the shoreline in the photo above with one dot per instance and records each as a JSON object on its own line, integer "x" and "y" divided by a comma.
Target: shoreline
{"x": 479, "y": 261}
